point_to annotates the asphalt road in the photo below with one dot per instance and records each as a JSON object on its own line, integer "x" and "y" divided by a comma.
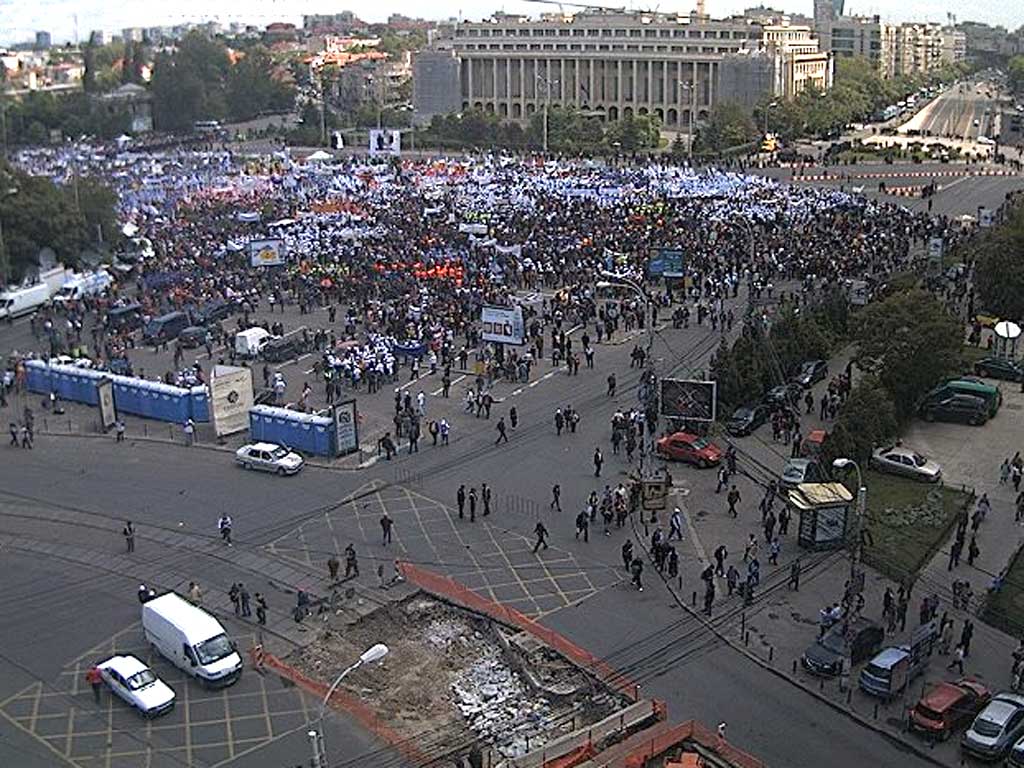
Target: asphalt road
{"x": 965, "y": 111}
{"x": 162, "y": 486}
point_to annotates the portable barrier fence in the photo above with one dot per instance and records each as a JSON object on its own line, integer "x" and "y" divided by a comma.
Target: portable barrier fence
{"x": 691, "y": 731}
{"x": 451, "y": 590}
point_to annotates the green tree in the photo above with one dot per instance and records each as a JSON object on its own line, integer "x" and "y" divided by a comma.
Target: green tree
{"x": 867, "y": 420}
{"x": 190, "y": 84}
{"x": 911, "y": 343}
{"x": 633, "y": 132}
{"x": 729, "y": 125}
{"x": 998, "y": 275}
{"x": 89, "y": 68}
{"x": 1015, "y": 73}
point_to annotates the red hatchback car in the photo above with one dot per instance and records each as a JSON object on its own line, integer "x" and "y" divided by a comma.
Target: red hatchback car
{"x": 947, "y": 706}
{"x": 682, "y": 446}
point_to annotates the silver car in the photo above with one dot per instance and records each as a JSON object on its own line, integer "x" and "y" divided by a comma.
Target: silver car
{"x": 996, "y": 727}
{"x": 901, "y": 460}
{"x": 269, "y": 457}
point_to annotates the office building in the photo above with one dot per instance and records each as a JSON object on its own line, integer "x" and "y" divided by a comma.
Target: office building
{"x": 863, "y": 36}
{"x": 622, "y": 64}
{"x": 43, "y": 41}
{"x": 435, "y": 85}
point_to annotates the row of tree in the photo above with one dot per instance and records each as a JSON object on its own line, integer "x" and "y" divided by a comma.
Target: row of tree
{"x": 201, "y": 81}
{"x": 1015, "y": 74}
{"x": 998, "y": 276}
{"x": 37, "y": 214}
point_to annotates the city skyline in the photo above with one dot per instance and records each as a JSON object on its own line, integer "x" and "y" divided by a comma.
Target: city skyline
{"x": 22, "y": 21}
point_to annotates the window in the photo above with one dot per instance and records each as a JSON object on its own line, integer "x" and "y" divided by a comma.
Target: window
{"x": 650, "y": 33}
{"x": 578, "y": 33}
{"x": 635, "y": 33}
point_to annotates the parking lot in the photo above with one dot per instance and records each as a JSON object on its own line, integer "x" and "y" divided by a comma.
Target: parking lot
{"x": 206, "y": 727}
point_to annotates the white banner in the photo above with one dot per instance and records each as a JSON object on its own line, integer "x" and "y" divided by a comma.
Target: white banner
{"x": 503, "y": 325}
{"x": 231, "y": 397}
{"x": 346, "y": 425}
{"x": 467, "y": 228}
{"x": 385, "y": 141}
{"x": 509, "y": 250}
{"x": 266, "y": 253}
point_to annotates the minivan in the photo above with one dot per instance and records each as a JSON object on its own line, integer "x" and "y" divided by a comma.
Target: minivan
{"x": 191, "y": 639}
{"x": 284, "y": 348}
{"x": 165, "y": 328}
{"x": 125, "y": 319}
{"x": 992, "y": 396}
{"x": 966, "y": 409}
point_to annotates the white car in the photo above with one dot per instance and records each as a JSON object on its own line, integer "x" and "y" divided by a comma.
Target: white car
{"x": 269, "y": 457}
{"x": 134, "y": 682}
{"x": 901, "y": 460}
{"x": 986, "y": 140}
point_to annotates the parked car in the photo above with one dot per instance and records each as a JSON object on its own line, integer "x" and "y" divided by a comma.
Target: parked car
{"x": 811, "y": 372}
{"x": 193, "y": 336}
{"x": 825, "y": 655}
{"x": 996, "y": 728}
{"x": 799, "y": 471}
{"x": 999, "y": 368}
{"x": 784, "y": 394}
{"x": 269, "y": 457}
{"x": 901, "y": 460}
{"x": 968, "y": 385}
{"x": 748, "y": 418}
{"x": 165, "y": 328}
{"x": 214, "y": 311}
{"x": 134, "y": 682}
{"x": 945, "y": 707}
{"x": 692, "y": 449}
{"x": 966, "y": 409}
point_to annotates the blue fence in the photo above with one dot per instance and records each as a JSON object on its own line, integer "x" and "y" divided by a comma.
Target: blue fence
{"x": 149, "y": 399}
{"x": 311, "y": 434}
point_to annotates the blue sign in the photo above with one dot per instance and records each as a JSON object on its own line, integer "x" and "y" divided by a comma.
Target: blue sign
{"x": 665, "y": 262}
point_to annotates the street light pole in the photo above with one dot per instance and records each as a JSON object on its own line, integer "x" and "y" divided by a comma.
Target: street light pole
{"x": 316, "y": 737}
{"x": 854, "y": 586}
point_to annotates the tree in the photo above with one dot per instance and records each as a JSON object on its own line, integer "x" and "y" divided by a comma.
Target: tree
{"x": 998, "y": 276}
{"x": 867, "y": 420}
{"x": 729, "y": 125}
{"x": 911, "y": 343}
{"x": 633, "y": 132}
{"x": 189, "y": 85}
{"x": 1015, "y": 73}
{"x": 89, "y": 69}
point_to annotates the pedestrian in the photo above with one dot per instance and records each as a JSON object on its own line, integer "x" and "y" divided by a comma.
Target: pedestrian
{"x": 958, "y": 660}
{"x": 723, "y": 479}
{"x": 794, "y": 575}
{"x": 965, "y": 636}
{"x": 351, "y": 562}
{"x": 119, "y": 429}
{"x": 583, "y": 525}
{"x": 732, "y": 578}
{"x": 556, "y": 496}
{"x": 261, "y": 609}
{"x": 333, "y": 564}
{"x": 954, "y": 554}
{"x": 143, "y": 593}
{"x": 386, "y": 524}
{"x": 234, "y": 598}
{"x": 1004, "y": 472}
{"x": 94, "y": 679}
{"x": 542, "y": 535}
{"x": 243, "y": 596}
{"x": 611, "y": 385}
{"x": 485, "y": 498}
{"x": 513, "y": 418}
{"x": 720, "y": 554}
{"x": 773, "y": 551}
{"x": 224, "y": 526}
{"x": 733, "y": 499}
{"x": 598, "y": 461}
{"x": 559, "y": 422}
{"x": 195, "y": 594}
{"x": 129, "y": 535}
{"x": 675, "y": 525}
{"x": 750, "y": 550}
{"x": 190, "y": 432}
{"x": 26, "y": 437}
{"x": 13, "y": 429}
{"x": 472, "y": 504}
{"x": 502, "y": 434}
{"x": 636, "y": 569}
{"x": 973, "y": 551}
{"x": 460, "y": 500}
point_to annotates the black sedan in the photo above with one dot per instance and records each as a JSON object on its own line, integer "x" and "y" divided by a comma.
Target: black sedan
{"x": 999, "y": 368}
{"x": 811, "y": 372}
{"x": 746, "y": 419}
{"x": 825, "y": 656}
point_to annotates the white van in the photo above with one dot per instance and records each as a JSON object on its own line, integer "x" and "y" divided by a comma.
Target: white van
{"x": 191, "y": 639}
{"x": 250, "y": 342}
{"x": 21, "y": 301}
{"x": 82, "y": 286}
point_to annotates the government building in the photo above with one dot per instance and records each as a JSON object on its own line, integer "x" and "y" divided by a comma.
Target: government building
{"x": 616, "y": 64}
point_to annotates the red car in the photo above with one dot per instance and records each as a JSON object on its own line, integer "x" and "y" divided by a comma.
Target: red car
{"x": 947, "y": 706}
{"x": 683, "y": 446}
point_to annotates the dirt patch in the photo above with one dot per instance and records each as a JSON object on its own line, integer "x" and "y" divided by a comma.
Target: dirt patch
{"x": 453, "y": 678}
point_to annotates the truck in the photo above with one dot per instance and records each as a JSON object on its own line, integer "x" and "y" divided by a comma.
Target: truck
{"x": 21, "y": 301}
{"x": 889, "y": 672}
{"x": 82, "y": 286}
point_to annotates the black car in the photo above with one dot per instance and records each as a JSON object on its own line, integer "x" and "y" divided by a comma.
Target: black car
{"x": 214, "y": 311}
{"x": 999, "y": 368}
{"x": 825, "y": 656}
{"x": 284, "y": 348}
{"x": 784, "y": 394}
{"x": 811, "y": 372}
{"x": 965, "y": 409}
{"x": 748, "y": 418}
{"x": 193, "y": 336}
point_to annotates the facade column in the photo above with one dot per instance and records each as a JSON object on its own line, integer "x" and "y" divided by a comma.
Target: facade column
{"x": 618, "y": 92}
{"x": 635, "y": 92}
{"x": 508, "y": 86}
{"x": 469, "y": 82}
{"x": 593, "y": 95}
{"x": 666, "y": 93}
{"x": 650, "y": 85}
{"x": 494, "y": 84}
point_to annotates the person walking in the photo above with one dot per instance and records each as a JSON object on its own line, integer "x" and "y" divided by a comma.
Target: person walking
{"x": 224, "y": 526}
{"x": 351, "y": 561}
{"x": 195, "y": 594}
{"x": 129, "y": 535}
{"x": 583, "y": 525}
{"x": 542, "y": 536}
{"x": 965, "y": 636}
{"x": 472, "y": 504}
{"x": 513, "y": 418}
{"x": 556, "y": 496}
{"x": 675, "y": 525}
{"x": 244, "y": 599}
{"x": 636, "y": 569}
{"x": 386, "y": 524}
{"x": 94, "y": 679}
{"x": 502, "y": 434}
{"x": 333, "y": 564}
{"x": 611, "y": 385}
{"x": 485, "y": 498}
{"x": 954, "y": 554}
{"x": 234, "y": 598}
{"x": 794, "y": 575}
{"x": 460, "y": 500}
{"x": 627, "y": 553}
{"x": 720, "y": 554}
{"x": 598, "y": 461}
{"x": 261, "y": 610}
{"x": 973, "y": 550}
{"x": 733, "y": 499}
{"x": 957, "y": 660}
{"x": 190, "y": 432}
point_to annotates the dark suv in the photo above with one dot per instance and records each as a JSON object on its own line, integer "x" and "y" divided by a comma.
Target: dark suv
{"x": 965, "y": 409}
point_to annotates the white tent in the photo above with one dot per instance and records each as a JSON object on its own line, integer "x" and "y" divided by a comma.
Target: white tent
{"x": 319, "y": 157}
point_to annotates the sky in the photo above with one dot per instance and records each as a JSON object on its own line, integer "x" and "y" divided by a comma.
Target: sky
{"x": 19, "y": 19}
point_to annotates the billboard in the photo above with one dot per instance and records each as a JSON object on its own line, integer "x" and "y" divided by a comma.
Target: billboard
{"x": 665, "y": 262}
{"x": 267, "y": 253}
{"x": 936, "y": 246}
{"x": 385, "y": 141}
{"x": 105, "y": 398}
{"x": 346, "y": 428}
{"x": 689, "y": 399}
{"x": 985, "y": 217}
{"x": 503, "y": 325}
{"x": 231, "y": 397}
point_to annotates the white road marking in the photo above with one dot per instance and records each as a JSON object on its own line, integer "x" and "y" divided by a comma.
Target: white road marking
{"x": 516, "y": 392}
{"x": 455, "y": 381}
{"x": 698, "y": 546}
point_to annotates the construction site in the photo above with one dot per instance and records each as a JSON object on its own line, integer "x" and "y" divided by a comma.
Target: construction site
{"x": 469, "y": 682}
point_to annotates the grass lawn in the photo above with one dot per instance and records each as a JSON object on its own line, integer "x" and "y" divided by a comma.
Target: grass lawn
{"x": 907, "y": 521}
{"x": 1005, "y": 610}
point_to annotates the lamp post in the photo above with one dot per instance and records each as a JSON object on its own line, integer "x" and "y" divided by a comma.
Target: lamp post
{"x": 5, "y": 261}
{"x": 547, "y": 100}
{"x": 691, "y": 91}
{"x": 855, "y": 585}
{"x": 768, "y": 108}
{"x": 316, "y": 737}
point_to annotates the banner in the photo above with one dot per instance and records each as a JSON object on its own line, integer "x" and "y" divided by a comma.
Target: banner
{"x": 231, "y": 397}
{"x": 665, "y": 262}
{"x": 503, "y": 325}
{"x": 385, "y": 141}
{"x": 509, "y": 250}
{"x": 472, "y": 229}
{"x": 690, "y": 399}
{"x": 985, "y": 217}
{"x": 105, "y": 396}
{"x": 346, "y": 428}
{"x": 936, "y": 245}
{"x": 266, "y": 253}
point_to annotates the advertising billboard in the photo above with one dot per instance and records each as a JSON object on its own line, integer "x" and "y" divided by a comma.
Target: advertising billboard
{"x": 385, "y": 141}
{"x": 665, "y": 262}
{"x": 105, "y": 398}
{"x": 690, "y": 399}
{"x": 503, "y": 325}
{"x": 267, "y": 253}
{"x": 231, "y": 397}
{"x": 346, "y": 428}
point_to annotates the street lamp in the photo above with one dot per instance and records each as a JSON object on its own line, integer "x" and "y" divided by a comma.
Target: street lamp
{"x": 691, "y": 98}
{"x": 5, "y": 261}
{"x": 855, "y": 585}
{"x": 768, "y": 108}
{"x": 547, "y": 100}
{"x": 316, "y": 737}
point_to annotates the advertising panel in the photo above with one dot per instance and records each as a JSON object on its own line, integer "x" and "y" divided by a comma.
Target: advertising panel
{"x": 346, "y": 427}
{"x": 105, "y": 396}
{"x": 231, "y": 397}
{"x": 503, "y": 325}
{"x": 690, "y": 399}
{"x": 385, "y": 141}
{"x": 267, "y": 253}
{"x": 665, "y": 262}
